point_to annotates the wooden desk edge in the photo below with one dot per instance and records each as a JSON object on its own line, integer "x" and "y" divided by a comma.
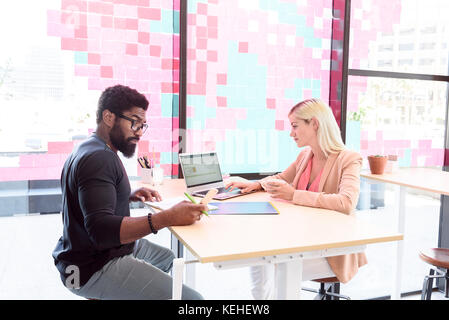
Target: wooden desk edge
{"x": 259, "y": 254}
{"x": 385, "y": 179}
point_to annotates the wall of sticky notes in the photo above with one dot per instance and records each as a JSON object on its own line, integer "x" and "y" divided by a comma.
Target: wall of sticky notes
{"x": 248, "y": 64}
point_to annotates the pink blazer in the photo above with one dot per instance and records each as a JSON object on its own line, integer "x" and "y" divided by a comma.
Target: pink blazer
{"x": 338, "y": 190}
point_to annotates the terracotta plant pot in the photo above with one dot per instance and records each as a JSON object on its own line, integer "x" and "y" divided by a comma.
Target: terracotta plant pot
{"x": 377, "y": 164}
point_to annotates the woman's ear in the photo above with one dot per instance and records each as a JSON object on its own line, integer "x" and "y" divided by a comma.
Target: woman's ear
{"x": 315, "y": 123}
{"x": 108, "y": 118}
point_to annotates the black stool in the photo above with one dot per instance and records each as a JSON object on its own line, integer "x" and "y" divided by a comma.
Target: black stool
{"x": 329, "y": 289}
{"x": 437, "y": 257}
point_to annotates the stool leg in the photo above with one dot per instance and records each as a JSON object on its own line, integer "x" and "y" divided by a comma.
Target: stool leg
{"x": 322, "y": 292}
{"x": 329, "y": 288}
{"x": 336, "y": 290}
{"x": 430, "y": 285}
{"x": 446, "y": 287}
{"x": 424, "y": 288}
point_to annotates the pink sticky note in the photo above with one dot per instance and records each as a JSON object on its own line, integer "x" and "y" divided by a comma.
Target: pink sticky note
{"x": 243, "y": 47}
{"x": 271, "y": 103}
{"x": 93, "y": 58}
{"x": 221, "y": 78}
{"x": 177, "y": 5}
{"x": 106, "y": 72}
{"x": 175, "y": 48}
{"x": 212, "y": 56}
{"x": 201, "y": 8}
{"x": 100, "y": 7}
{"x": 279, "y": 125}
{"x": 155, "y": 51}
{"x": 191, "y": 19}
{"x": 201, "y": 32}
{"x": 131, "y": 24}
{"x": 212, "y": 33}
{"x": 143, "y": 37}
{"x": 212, "y": 21}
{"x": 131, "y": 49}
{"x": 60, "y": 146}
{"x": 74, "y": 44}
{"x": 149, "y": 13}
{"x": 221, "y": 101}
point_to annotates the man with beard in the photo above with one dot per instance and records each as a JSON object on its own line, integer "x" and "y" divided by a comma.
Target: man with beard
{"x": 102, "y": 253}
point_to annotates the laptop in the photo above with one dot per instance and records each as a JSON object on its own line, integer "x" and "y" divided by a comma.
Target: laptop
{"x": 202, "y": 172}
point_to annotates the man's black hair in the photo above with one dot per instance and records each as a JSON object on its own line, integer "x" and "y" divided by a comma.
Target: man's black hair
{"x": 120, "y": 98}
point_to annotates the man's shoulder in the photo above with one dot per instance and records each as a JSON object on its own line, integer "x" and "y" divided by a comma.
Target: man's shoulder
{"x": 95, "y": 151}
{"x": 91, "y": 146}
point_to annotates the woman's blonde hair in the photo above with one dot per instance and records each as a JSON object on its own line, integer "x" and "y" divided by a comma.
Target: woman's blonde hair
{"x": 329, "y": 136}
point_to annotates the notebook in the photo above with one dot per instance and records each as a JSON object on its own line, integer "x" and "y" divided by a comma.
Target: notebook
{"x": 244, "y": 208}
{"x": 170, "y": 202}
{"x": 202, "y": 172}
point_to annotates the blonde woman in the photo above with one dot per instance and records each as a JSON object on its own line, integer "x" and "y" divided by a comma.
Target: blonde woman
{"x": 324, "y": 175}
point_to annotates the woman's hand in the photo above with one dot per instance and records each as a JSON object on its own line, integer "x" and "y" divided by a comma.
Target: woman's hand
{"x": 145, "y": 194}
{"x": 245, "y": 187}
{"x": 282, "y": 191}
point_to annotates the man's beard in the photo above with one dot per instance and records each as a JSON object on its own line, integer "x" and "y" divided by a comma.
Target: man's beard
{"x": 120, "y": 143}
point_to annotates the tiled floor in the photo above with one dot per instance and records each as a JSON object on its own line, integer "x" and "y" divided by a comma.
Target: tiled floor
{"x": 27, "y": 270}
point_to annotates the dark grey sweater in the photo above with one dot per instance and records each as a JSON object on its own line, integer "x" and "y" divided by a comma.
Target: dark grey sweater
{"x": 95, "y": 196}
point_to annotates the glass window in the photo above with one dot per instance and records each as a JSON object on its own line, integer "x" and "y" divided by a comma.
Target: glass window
{"x": 398, "y": 116}
{"x": 405, "y": 118}
{"x": 401, "y": 117}
{"x": 417, "y": 28}
{"x": 406, "y": 46}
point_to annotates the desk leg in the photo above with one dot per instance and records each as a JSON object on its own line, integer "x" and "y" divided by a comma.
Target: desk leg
{"x": 190, "y": 270}
{"x": 397, "y": 264}
{"x": 288, "y": 278}
{"x": 176, "y": 246}
{"x": 178, "y": 270}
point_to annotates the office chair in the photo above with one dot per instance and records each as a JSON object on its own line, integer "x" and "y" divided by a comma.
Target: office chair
{"x": 437, "y": 257}
{"x": 329, "y": 289}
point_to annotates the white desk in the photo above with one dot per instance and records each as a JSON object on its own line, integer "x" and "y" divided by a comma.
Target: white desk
{"x": 418, "y": 178}
{"x": 286, "y": 239}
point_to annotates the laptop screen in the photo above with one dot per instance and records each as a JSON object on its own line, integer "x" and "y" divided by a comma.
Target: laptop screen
{"x": 199, "y": 169}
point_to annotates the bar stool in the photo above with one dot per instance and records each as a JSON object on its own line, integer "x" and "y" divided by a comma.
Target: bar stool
{"x": 439, "y": 258}
{"x": 329, "y": 289}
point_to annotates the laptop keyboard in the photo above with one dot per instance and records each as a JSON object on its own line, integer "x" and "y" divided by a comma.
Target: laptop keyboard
{"x": 220, "y": 190}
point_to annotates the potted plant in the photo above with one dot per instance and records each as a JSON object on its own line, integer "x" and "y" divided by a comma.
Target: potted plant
{"x": 377, "y": 163}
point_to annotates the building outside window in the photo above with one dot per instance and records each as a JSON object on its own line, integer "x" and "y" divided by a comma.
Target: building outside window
{"x": 393, "y": 109}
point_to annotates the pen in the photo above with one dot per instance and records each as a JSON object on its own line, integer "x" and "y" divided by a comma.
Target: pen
{"x": 151, "y": 208}
{"x": 140, "y": 162}
{"x": 193, "y": 201}
{"x": 145, "y": 160}
{"x": 153, "y": 162}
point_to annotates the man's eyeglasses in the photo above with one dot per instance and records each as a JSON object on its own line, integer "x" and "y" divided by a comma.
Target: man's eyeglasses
{"x": 135, "y": 124}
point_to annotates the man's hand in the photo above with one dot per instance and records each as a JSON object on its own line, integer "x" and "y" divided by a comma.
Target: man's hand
{"x": 181, "y": 214}
{"x": 145, "y": 194}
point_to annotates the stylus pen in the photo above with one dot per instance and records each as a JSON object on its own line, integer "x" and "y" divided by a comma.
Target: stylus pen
{"x": 193, "y": 201}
